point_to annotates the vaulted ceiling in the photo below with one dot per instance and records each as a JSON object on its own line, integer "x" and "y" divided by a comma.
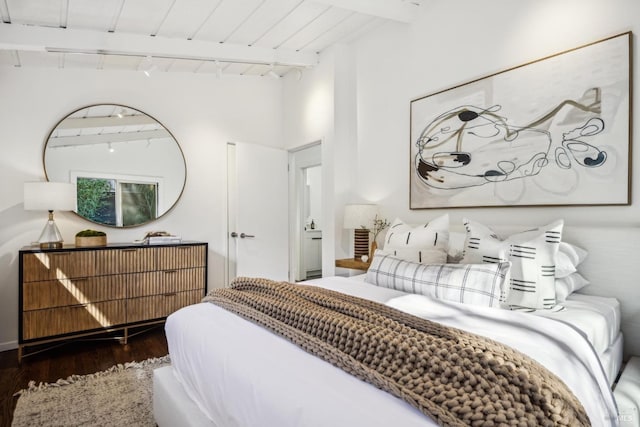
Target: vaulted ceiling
{"x": 247, "y": 37}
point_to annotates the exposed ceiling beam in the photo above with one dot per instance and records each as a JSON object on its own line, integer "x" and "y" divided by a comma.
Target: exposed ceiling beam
{"x": 396, "y": 10}
{"x": 48, "y": 39}
{"x": 105, "y": 121}
{"x": 106, "y": 138}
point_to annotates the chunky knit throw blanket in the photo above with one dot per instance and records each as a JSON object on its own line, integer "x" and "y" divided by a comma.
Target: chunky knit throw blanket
{"x": 455, "y": 377}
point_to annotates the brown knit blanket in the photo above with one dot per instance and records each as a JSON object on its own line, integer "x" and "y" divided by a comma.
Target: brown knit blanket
{"x": 455, "y": 377}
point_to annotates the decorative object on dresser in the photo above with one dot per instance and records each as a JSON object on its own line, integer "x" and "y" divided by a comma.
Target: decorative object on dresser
{"x": 73, "y": 292}
{"x": 359, "y": 217}
{"x": 49, "y": 196}
{"x": 88, "y": 238}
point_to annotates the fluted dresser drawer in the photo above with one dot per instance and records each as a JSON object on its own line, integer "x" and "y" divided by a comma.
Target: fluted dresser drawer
{"x": 159, "y": 306}
{"x": 65, "y": 320}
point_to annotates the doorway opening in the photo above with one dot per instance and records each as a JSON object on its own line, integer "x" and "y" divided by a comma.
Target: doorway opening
{"x": 306, "y": 202}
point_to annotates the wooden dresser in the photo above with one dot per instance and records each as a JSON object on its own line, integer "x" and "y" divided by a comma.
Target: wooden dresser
{"x": 72, "y": 292}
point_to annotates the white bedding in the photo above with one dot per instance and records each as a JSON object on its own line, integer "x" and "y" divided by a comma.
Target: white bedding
{"x": 242, "y": 375}
{"x": 597, "y": 317}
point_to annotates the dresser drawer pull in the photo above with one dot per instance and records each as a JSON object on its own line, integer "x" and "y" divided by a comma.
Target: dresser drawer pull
{"x": 59, "y": 254}
{"x": 184, "y": 247}
{"x": 170, "y": 271}
{"x": 129, "y": 250}
{"x": 169, "y": 294}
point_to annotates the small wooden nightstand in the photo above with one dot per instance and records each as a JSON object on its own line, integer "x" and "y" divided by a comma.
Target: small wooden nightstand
{"x": 353, "y": 263}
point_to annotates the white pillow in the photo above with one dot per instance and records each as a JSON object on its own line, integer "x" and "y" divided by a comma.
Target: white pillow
{"x": 424, "y": 243}
{"x": 565, "y": 286}
{"x": 455, "y": 251}
{"x": 568, "y": 258}
{"x": 419, "y": 255}
{"x": 477, "y": 284}
{"x": 532, "y": 254}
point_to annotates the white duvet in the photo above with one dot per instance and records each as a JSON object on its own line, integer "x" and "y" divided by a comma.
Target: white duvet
{"x": 239, "y": 374}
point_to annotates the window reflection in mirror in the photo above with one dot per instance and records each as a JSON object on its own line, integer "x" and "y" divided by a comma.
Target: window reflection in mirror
{"x": 128, "y": 167}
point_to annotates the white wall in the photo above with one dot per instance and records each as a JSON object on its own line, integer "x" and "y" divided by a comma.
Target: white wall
{"x": 202, "y": 112}
{"x": 453, "y": 42}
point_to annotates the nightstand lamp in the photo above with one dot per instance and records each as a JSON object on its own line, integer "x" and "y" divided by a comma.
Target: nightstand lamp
{"x": 50, "y": 196}
{"x": 360, "y": 218}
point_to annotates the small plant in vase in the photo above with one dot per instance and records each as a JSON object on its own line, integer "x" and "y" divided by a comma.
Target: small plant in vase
{"x": 86, "y": 238}
{"x": 379, "y": 224}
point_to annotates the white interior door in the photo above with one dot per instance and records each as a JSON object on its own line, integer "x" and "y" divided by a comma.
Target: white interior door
{"x": 257, "y": 231}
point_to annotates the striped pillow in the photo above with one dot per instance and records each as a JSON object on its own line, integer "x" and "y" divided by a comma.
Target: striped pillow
{"x": 532, "y": 254}
{"x": 477, "y": 284}
{"x": 426, "y": 244}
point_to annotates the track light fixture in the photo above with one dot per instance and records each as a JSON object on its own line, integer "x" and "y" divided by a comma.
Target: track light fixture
{"x": 147, "y": 66}
{"x": 272, "y": 73}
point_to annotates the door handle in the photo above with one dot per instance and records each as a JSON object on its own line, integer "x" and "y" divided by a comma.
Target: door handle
{"x": 241, "y": 235}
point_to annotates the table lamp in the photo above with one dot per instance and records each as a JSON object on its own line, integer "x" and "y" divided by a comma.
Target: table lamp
{"x": 50, "y": 196}
{"x": 360, "y": 218}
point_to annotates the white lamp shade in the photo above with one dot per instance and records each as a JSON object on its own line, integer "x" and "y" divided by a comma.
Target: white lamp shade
{"x": 359, "y": 216}
{"x": 50, "y": 196}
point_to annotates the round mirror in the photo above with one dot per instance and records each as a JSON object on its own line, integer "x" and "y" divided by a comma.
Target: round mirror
{"x": 128, "y": 168}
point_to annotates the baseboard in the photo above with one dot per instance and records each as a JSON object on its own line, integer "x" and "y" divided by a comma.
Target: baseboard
{"x": 9, "y": 345}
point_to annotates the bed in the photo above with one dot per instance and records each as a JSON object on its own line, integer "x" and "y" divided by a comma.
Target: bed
{"x": 229, "y": 372}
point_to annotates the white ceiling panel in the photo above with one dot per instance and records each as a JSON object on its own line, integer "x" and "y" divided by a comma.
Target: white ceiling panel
{"x": 143, "y": 16}
{"x": 227, "y": 19}
{"x": 265, "y": 18}
{"x": 343, "y": 31}
{"x": 318, "y": 27}
{"x": 98, "y": 15}
{"x": 186, "y": 17}
{"x": 35, "y": 12}
{"x": 292, "y": 24}
{"x": 245, "y": 36}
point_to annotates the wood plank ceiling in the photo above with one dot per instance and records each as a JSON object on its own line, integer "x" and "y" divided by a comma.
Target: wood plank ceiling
{"x": 246, "y": 37}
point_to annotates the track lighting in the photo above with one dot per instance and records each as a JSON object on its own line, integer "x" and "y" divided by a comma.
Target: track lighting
{"x": 272, "y": 73}
{"x": 121, "y": 113}
{"x": 147, "y": 66}
{"x": 110, "y": 147}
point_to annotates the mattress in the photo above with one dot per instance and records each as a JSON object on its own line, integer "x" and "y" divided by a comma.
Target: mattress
{"x": 598, "y": 318}
{"x": 239, "y": 374}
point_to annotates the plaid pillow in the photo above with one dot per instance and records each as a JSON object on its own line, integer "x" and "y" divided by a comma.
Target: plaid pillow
{"x": 477, "y": 284}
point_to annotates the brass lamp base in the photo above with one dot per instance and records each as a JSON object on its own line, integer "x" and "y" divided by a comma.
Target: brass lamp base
{"x": 51, "y": 245}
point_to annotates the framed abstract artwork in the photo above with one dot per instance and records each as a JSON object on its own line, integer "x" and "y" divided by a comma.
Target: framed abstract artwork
{"x": 551, "y": 132}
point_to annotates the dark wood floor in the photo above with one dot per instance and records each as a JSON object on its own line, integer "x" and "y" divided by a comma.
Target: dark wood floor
{"x": 80, "y": 357}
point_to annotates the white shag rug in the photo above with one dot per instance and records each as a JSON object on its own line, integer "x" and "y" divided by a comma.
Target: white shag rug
{"x": 119, "y": 396}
